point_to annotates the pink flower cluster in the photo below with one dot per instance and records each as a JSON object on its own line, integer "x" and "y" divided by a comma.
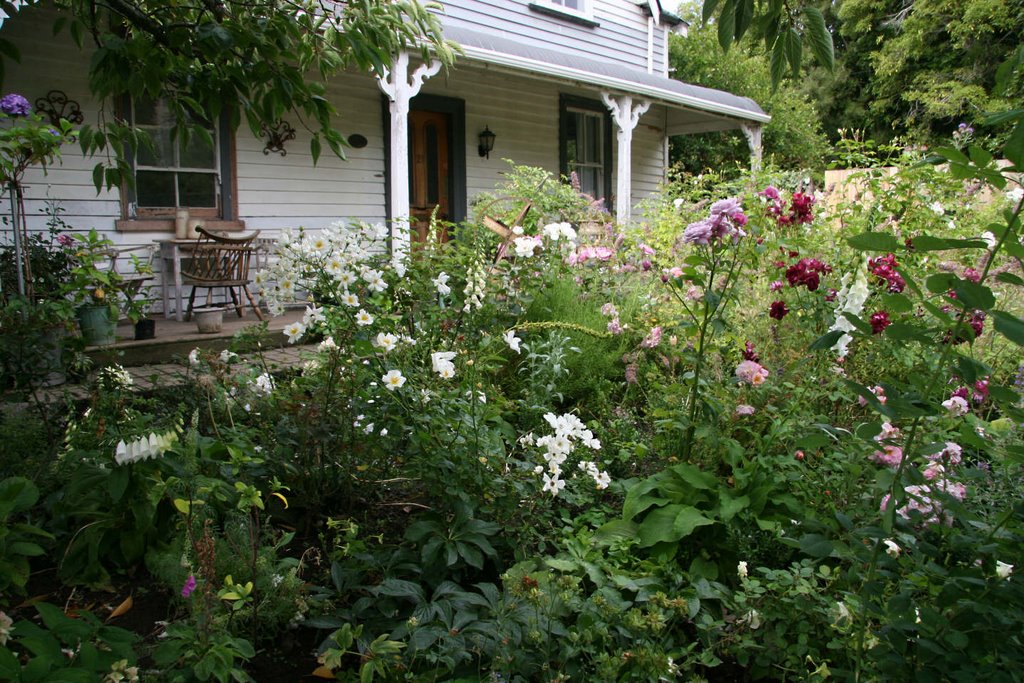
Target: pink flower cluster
{"x": 922, "y": 498}
{"x": 751, "y": 372}
{"x": 921, "y": 501}
{"x": 807, "y": 272}
{"x": 590, "y": 253}
{"x": 884, "y": 268}
{"x": 799, "y": 207}
{"x": 652, "y": 339}
{"x": 726, "y": 221}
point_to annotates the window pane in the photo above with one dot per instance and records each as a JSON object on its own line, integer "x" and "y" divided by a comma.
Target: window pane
{"x": 197, "y": 154}
{"x": 590, "y": 138}
{"x": 162, "y": 153}
{"x": 155, "y": 188}
{"x": 197, "y": 189}
{"x": 590, "y": 181}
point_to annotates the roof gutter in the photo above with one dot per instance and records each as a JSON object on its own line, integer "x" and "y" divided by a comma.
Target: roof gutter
{"x": 610, "y": 82}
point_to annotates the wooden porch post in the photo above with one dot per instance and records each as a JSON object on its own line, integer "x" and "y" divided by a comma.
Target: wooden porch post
{"x": 626, "y": 115}
{"x": 400, "y": 88}
{"x": 752, "y": 132}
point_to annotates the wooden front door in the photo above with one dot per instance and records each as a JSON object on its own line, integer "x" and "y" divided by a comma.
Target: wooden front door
{"x": 429, "y": 164}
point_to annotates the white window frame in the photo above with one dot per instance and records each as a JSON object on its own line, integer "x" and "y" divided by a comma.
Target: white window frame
{"x": 584, "y": 11}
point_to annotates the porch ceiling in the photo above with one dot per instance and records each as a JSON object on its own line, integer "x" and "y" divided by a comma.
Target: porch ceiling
{"x": 692, "y": 108}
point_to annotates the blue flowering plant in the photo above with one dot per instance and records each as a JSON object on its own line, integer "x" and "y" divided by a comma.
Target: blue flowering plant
{"x": 27, "y": 138}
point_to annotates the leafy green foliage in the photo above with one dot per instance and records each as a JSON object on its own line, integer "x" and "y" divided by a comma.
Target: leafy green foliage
{"x": 792, "y": 139}
{"x": 19, "y": 541}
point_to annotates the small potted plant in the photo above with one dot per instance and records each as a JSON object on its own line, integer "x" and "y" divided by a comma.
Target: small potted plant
{"x": 137, "y": 310}
{"x": 92, "y": 286}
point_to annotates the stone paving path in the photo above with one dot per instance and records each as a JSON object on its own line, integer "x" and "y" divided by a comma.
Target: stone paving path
{"x": 162, "y": 375}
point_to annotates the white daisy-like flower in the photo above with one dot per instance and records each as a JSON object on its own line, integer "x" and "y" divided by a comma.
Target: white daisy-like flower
{"x": 446, "y": 373}
{"x": 346, "y": 278}
{"x": 295, "y": 332}
{"x": 393, "y": 380}
{"x": 892, "y": 549}
{"x": 226, "y": 356}
{"x": 385, "y": 341}
{"x": 350, "y": 299}
{"x": 193, "y": 357}
{"x": 602, "y": 480}
{"x": 313, "y": 314}
{"x": 513, "y": 341}
{"x": 553, "y": 484}
{"x": 264, "y": 384}
{"x": 363, "y": 318}
{"x": 441, "y": 361}
{"x": 328, "y": 345}
{"x": 741, "y": 569}
{"x": 374, "y": 279}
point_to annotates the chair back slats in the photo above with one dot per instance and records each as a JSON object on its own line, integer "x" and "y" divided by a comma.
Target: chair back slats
{"x": 218, "y": 261}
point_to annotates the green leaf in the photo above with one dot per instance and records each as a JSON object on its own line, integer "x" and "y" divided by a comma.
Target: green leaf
{"x": 744, "y": 16}
{"x": 616, "y": 530}
{"x": 974, "y": 295}
{"x": 1014, "y": 147}
{"x": 929, "y": 243}
{"x": 826, "y": 341}
{"x": 816, "y": 545}
{"x": 561, "y": 565}
{"x": 1010, "y": 326}
{"x": 709, "y": 10}
{"x": 777, "y": 64}
{"x": 819, "y": 38}
{"x": 794, "y": 51}
{"x": 695, "y": 477}
{"x": 727, "y": 24}
{"x": 670, "y": 524}
{"x": 940, "y": 283}
{"x": 1010, "y": 279}
{"x": 874, "y": 241}
{"x": 907, "y": 332}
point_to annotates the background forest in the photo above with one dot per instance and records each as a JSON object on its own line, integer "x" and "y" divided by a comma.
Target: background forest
{"x": 906, "y": 71}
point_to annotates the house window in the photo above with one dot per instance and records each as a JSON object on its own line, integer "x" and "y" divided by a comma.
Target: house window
{"x": 585, "y": 145}
{"x": 173, "y": 173}
{"x": 577, "y": 11}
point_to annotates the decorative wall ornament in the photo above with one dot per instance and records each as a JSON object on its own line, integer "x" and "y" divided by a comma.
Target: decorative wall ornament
{"x": 57, "y": 106}
{"x": 277, "y": 134}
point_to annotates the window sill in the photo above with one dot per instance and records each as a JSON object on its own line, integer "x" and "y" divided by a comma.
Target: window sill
{"x": 567, "y": 15}
{"x": 167, "y": 225}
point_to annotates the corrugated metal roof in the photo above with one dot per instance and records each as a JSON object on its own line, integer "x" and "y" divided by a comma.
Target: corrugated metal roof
{"x": 494, "y": 48}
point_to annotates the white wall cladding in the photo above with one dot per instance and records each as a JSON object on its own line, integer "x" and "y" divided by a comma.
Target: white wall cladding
{"x": 56, "y": 64}
{"x": 621, "y": 34}
{"x": 277, "y": 191}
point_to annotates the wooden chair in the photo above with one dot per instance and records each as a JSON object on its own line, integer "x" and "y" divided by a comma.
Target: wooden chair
{"x": 218, "y": 261}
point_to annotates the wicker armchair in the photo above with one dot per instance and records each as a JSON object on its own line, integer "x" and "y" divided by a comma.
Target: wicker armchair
{"x": 218, "y": 261}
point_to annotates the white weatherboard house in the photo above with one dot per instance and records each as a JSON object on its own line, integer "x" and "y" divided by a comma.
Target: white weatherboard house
{"x": 566, "y": 85}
